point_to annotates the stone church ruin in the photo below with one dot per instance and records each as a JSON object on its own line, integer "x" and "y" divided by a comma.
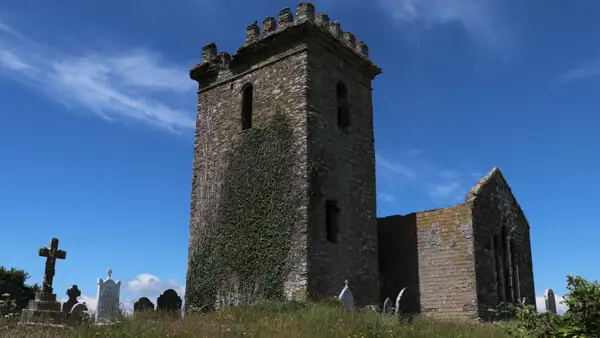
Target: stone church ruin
{"x": 283, "y": 188}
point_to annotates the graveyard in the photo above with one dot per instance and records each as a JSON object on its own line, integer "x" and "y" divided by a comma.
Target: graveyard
{"x": 336, "y": 316}
{"x": 286, "y": 238}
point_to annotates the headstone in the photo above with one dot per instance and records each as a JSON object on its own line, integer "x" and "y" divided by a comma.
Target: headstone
{"x": 523, "y": 301}
{"x": 45, "y": 308}
{"x": 169, "y": 301}
{"x": 142, "y": 305}
{"x": 108, "y": 298}
{"x": 398, "y": 301}
{"x": 550, "y": 300}
{"x": 387, "y": 307}
{"x": 346, "y": 296}
{"x": 78, "y": 313}
{"x": 73, "y": 292}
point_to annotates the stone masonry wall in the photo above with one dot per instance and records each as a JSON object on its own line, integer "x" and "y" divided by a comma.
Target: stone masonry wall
{"x": 499, "y": 223}
{"x": 348, "y": 154}
{"x": 398, "y": 260}
{"x": 278, "y": 86}
{"x": 294, "y": 65}
{"x": 446, "y": 269}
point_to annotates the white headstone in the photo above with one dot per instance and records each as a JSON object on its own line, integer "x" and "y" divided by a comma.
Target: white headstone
{"x": 108, "y": 298}
{"x": 387, "y": 306}
{"x": 78, "y": 312}
{"x": 398, "y": 299}
{"x": 346, "y": 296}
{"x": 550, "y": 300}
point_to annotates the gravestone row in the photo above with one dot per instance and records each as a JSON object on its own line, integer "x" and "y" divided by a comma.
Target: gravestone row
{"x": 46, "y": 309}
{"x": 169, "y": 301}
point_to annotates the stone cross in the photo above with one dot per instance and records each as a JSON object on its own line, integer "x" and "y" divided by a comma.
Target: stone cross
{"x": 73, "y": 292}
{"x": 52, "y": 254}
{"x": 550, "y": 300}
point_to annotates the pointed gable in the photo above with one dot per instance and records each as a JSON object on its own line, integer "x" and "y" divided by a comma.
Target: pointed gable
{"x": 493, "y": 180}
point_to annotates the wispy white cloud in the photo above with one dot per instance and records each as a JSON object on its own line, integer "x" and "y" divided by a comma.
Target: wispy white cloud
{"x": 394, "y": 167}
{"x": 449, "y": 174}
{"x": 11, "y": 61}
{"x": 443, "y": 186}
{"x": 411, "y": 152}
{"x": 479, "y": 18}
{"x": 386, "y": 197}
{"x": 135, "y": 84}
{"x": 9, "y": 30}
{"x": 561, "y": 307}
{"x": 446, "y": 191}
{"x": 590, "y": 70}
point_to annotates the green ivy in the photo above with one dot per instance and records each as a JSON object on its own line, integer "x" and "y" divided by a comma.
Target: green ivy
{"x": 257, "y": 212}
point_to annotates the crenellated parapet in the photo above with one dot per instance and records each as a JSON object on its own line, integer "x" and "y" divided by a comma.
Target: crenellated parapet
{"x": 259, "y": 34}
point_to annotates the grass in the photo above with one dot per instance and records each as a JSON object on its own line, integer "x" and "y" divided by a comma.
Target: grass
{"x": 266, "y": 320}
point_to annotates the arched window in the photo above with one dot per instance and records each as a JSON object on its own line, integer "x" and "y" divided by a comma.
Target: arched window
{"x": 343, "y": 111}
{"x": 247, "y": 106}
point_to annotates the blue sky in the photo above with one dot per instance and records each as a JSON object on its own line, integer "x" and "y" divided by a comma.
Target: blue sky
{"x": 97, "y": 116}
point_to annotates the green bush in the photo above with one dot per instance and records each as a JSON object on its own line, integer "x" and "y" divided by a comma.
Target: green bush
{"x": 15, "y": 294}
{"x": 581, "y": 320}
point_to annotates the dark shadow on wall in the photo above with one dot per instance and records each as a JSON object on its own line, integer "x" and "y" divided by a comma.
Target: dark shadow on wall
{"x": 398, "y": 260}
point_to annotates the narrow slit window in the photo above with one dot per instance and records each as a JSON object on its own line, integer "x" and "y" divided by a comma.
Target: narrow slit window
{"x": 507, "y": 271}
{"x": 515, "y": 271}
{"x": 247, "y": 96}
{"x": 343, "y": 111}
{"x": 331, "y": 220}
{"x": 497, "y": 247}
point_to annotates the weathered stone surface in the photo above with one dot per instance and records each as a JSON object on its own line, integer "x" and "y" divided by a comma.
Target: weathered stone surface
{"x": 464, "y": 259}
{"x": 78, "y": 313}
{"x": 143, "y": 304}
{"x": 500, "y": 226}
{"x": 295, "y": 70}
{"x": 169, "y": 301}
{"x": 44, "y": 308}
{"x": 52, "y": 254}
{"x": 550, "y": 300}
{"x": 73, "y": 292}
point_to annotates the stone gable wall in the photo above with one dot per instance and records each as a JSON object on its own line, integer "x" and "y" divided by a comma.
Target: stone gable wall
{"x": 494, "y": 207}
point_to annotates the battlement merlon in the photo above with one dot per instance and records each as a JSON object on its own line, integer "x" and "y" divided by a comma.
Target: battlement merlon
{"x": 307, "y": 23}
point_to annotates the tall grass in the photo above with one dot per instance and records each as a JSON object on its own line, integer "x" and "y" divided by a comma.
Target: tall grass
{"x": 288, "y": 319}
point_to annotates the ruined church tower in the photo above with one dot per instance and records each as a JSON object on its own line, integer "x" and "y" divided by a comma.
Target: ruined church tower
{"x": 294, "y": 102}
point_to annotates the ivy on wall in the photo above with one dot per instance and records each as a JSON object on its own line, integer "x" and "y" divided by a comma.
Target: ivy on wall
{"x": 245, "y": 256}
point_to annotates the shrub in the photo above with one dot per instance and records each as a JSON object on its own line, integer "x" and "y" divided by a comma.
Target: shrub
{"x": 14, "y": 290}
{"x": 581, "y": 320}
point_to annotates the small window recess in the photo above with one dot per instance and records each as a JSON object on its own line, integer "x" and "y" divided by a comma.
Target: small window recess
{"x": 343, "y": 107}
{"x": 331, "y": 220}
{"x": 247, "y": 98}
